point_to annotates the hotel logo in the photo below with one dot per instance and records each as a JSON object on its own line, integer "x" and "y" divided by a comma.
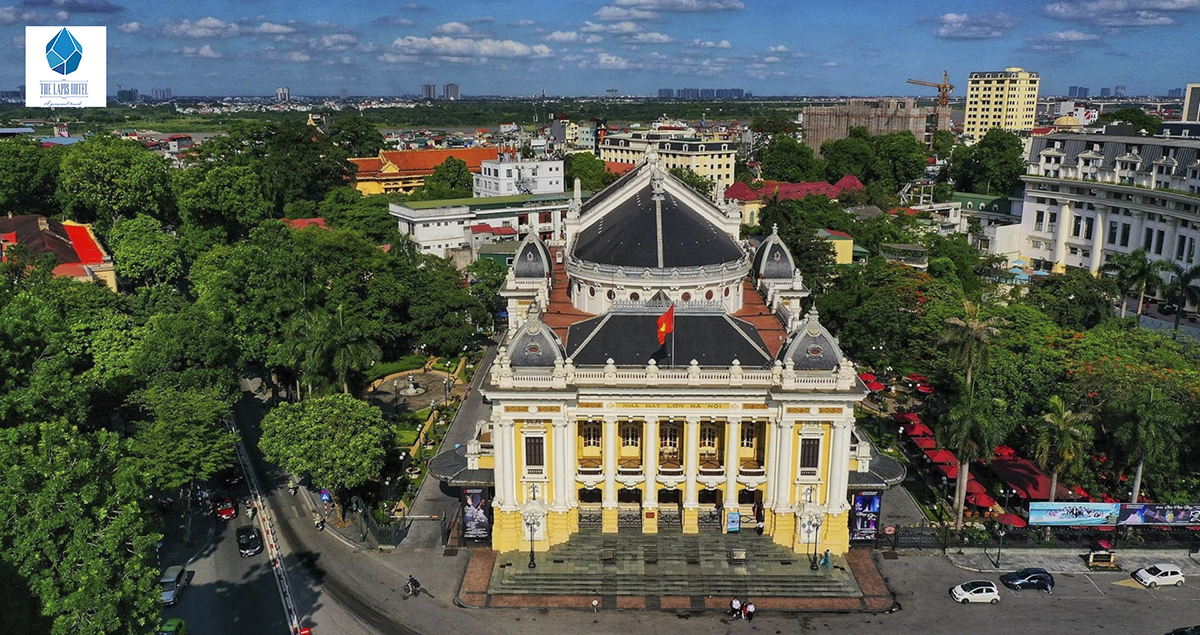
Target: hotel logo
{"x": 65, "y": 67}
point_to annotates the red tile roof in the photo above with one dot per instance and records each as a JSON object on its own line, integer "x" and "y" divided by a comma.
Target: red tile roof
{"x": 759, "y": 315}
{"x": 849, "y": 182}
{"x": 834, "y": 232}
{"x": 504, "y": 231}
{"x": 907, "y": 211}
{"x": 617, "y": 167}
{"x": 367, "y": 165}
{"x": 743, "y": 192}
{"x": 301, "y": 223}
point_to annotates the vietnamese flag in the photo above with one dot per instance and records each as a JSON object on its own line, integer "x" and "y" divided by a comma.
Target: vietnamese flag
{"x": 666, "y": 324}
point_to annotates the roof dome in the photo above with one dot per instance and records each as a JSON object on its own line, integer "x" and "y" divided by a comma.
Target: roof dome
{"x": 813, "y": 347}
{"x": 534, "y": 345}
{"x": 532, "y": 259}
{"x": 631, "y": 235}
{"x": 1067, "y": 121}
{"x": 772, "y": 259}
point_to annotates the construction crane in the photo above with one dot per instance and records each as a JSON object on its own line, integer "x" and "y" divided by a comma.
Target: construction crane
{"x": 944, "y": 88}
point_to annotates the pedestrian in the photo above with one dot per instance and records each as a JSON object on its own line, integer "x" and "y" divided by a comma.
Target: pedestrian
{"x": 735, "y": 607}
{"x": 749, "y": 611}
{"x": 745, "y": 609}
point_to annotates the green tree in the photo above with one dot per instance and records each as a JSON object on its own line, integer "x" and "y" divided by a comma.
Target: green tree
{"x": 851, "y": 155}
{"x": 449, "y": 180}
{"x": 943, "y": 144}
{"x": 338, "y": 440}
{"x": 975, "y": 427}
{"x": 486, "y": 278}
{"x": 74, "y": 527}
{"x": 1135, "y": 272}
{"x": 346, "y": 207}
{"x": 592, "y": 173}
{"x": 1149, "y": 434}
{"x": 1062, "y": 441}
{"x": 105, "y": 179}
{"x": 218, "y": 205}
{"x": 786, "y": 159}
{"x": 995, "y": 164}
{"x": 29, "y": 176}
{"x": 968, "y": 341}
{"x": 1074, "y": 300}
{"x": 899, "y": 158}
{"x": 813, "y": 254}
{"x": 1142, "y": 122}
{"x": 1182, "y": 289}
{"x": 357, "y": 137}
{"x": 183, "y": 436}
{"x": 143, "y": 254}
{"x": 701, "y": 184}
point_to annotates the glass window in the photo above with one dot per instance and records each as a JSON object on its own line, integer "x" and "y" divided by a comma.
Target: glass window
{"x": 810, "y": 453}
{"x": 708, "y": 436}
{"x": 631, "y": 435}
{"x": 535, "y": 452}
{"x": 591, "y": 435}
{"x": 748, "y": 435}
{"x": 668, "y": 436}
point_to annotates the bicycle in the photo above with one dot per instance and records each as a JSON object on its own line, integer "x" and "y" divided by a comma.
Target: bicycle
{"x": 412, "y": 588}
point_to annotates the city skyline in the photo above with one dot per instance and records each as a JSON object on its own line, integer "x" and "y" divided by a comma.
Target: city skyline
{"x": 585, "y": 47}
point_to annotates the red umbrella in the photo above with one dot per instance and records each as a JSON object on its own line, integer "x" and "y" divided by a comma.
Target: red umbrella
{"x": 1012, "y": 520}
{"x": 916, "y": 429}
{"x": 943, "y": 457}
{"x": 915, "y": 377}
{"x": 866, "y": 376}
{"x": 949, "y": 471}
{"x": 980, "y": 500}
{"x": 906, "y": 416}
{"x": 975, "y": 487}
{"x": 924, "y": 443}
{"x": 1004, "y": 452}
{"x": 875, "y": 386}
{"x": 925, "y": 389}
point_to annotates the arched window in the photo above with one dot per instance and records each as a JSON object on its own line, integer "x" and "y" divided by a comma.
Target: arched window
{"x": 631, "y": 435}
{"x": 686, "y": 297}
{"x": 590, "y": 432}
{"x": 634, "y": 296}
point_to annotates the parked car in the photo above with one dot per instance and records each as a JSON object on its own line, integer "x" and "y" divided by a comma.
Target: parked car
{"x": 976, "y": 591}
{"x": 226, "y": 510}
{"x": 1030, "y": 578}
{"x": 1187, "y": 630}
{"x": 249, "y": 541}
{"x": 172, "y": 582}
{"x": 174, "y": 626}
{"x": 1159, "y": 575}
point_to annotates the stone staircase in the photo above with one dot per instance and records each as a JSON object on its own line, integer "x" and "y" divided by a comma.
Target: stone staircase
{"x": 670, "y": 564}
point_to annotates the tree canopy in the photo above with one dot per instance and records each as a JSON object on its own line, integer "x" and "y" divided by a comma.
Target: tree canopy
{"x": 992, "y": 166}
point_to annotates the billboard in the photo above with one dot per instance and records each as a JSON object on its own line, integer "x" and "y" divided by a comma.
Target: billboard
{"x": 1161, "y": 515}
{"x": 1074, "y": 514}
{"x": 864, "y": 516}
{"x": 476, "y": 524}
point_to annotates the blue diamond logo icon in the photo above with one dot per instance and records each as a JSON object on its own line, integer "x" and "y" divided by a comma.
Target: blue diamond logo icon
{"x": 63, "y": 53}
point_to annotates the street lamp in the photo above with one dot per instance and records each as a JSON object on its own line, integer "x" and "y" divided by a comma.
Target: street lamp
{"x": 1000, "y": 549}
{"x": 813, "y": 526}
{"x": 531, "y": 523}
{"x": 942, "y": 517}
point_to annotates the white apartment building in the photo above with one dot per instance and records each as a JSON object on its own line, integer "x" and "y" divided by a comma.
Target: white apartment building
{"x": 509, "y": 176}
{"x": 1001, "y": 99}
{"x": 1088, "y": 197}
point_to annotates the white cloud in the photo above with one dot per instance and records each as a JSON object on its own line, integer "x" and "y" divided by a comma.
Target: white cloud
{"x": 333, "y": 42}
{"x": 392, "y": 58}
{"x": 204, "y": 51}
{"x": 650, "y": 37}
{"x": 522, "y": 23}
{"x": 8, "y": 15}
{"x": 271, "y": 28}
{"x": 452, "y": 28}
{"x": 592, "y": 39}
{"x": 618, "y": 13}
{"x": 983, "y": 26}
{"x": 1117, "y": 13}
{"x": 682, "y": 5}
{"x": 611, "y": 62}
{"x": 617, "y": 27}
{"x": 829, "y": 64}
{"x": 465, "y": 49}
{"x": 778, "y": 49}
{"x": 1068, "y": 36}
{"x": 62, "y": 15}
{"x": 390, "y": 21}
{"x": 709, "y": 44}
{"x": 204, "y": 27}
{"x": 295, "y": 56}
{"x": 563, "y": 36}
{"x": 130, "y": 27}
{"x": 724, "y": 44}
{"x": 771, "y": 59}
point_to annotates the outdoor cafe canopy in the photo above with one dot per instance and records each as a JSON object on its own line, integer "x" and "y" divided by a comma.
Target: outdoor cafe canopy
{"x": 1026, "y": 479}
{"x": 941, "y": 457}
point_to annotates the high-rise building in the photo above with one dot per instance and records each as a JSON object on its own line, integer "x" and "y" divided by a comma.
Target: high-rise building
{"x": 283, "y": 94}
{"x": 127, "y": 95}
{"x": 1175, "y": 93}
{"x": 1191, "y": 103}
{"x": 708, "y": 93}
{"x": 1106, "y": 92}
{"x": 878, "y": 116}
{"x": 688, "y": 93}
{"x": 1001, "y": 99}
{"x": 1118, "y": 91}
{"x": 1083, "y": 92}
{"x": 1073, "y": 91}
{"x": 160, "y": 94}
{"x": 666, "y": 93}
{"x": 450, "y": 91}
{"x": 612, "y": 92}
{"x": 428, "y": 91}
{"x": 344, "y": 94}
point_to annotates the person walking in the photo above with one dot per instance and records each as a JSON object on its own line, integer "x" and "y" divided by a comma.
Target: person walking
{"x": 735, "y": 607}
{"x": 745, "y": 607}
{"x": 749, "y": 611}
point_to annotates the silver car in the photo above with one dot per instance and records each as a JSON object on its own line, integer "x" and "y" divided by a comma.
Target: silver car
{"x": 172, "y": 582}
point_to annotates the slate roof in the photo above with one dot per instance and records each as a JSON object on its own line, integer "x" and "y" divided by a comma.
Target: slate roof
{"x": 632, "y": 339}
{"x": 773, "y": 260}
{"x": 813, "y": 347}
{"x": 628, "y": 236}
{"x": 532, "y": 259}
{"x": 534, "y": 345}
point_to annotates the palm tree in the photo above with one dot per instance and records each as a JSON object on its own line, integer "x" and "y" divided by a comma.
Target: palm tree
{"x": 967, "y": 340}
{"x": 1149, "y": 434}
{"x": 1061, "y": 444}
{"x": 1135, "y": 271}
{"x": 352, "y": 349}
{"x": 1181, "y": 290}
{"x": 976, "y": 427}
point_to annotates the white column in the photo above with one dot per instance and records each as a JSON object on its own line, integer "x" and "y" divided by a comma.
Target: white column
{"x": 771, "y": 468}
{"x": 1169, "y": 240}
{"x": 650, "y": 464}
{"x": 1135, "y": 232}
{"x": 839, "y": 466}
{"x": 1098, "y": 233}
{"x": 564, "y": 472}
{"x": 733, "y": 444}
{"x": 610, "y": 462}
{"x": 785, "y": 476}
{"x": 691, "y": 429}
{"x": 572, "y": 440}
{"x": 1060, "y": 235}
{"x": 505, "y": 464}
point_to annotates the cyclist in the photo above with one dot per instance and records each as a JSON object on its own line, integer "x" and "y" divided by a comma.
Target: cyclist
{"x": 412, "y": 587}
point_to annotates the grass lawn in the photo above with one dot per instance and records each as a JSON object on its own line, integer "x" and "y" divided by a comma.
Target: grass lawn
{"x": 410, "y": 362}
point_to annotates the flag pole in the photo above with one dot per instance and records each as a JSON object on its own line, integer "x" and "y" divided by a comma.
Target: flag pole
{"x": 672, "y": 365}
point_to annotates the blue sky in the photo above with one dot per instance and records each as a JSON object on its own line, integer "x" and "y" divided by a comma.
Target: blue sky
{"x": 583, "y": 47}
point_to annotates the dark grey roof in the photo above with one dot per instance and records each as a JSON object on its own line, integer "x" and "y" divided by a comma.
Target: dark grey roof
{"x": 534, "y": 344}
{"x": 532, "y": 259}
{"x": 450, "y": 466}
{"x": 773, "y": 260}
{"x": 630, "y": 339}
{"x": 628, "y": 235}
{"x": 812, "y": 347}
{"x": 863, "y": 212}
{"x": 1150, "y": 149}
{"x": 883, "y": 473}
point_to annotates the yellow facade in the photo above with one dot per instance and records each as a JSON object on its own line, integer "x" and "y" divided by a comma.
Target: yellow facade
{"x": 1001, "y": 99}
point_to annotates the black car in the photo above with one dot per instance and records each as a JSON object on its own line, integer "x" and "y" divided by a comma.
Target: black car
{"x": 1187, "y": 630}
{"x": 1032, "y": 578}
{"x": 249, "y": 541}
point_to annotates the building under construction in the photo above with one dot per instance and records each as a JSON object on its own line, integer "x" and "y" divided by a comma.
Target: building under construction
{"x": 878, "y": 116}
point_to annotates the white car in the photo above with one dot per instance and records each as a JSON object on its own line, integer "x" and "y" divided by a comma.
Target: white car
{"x": 172, "y": 582}
{"x": 1159, "y": 575}
{"x": 976, "y": 591}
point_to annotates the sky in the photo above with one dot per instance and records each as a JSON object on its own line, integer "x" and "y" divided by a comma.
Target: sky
{"x": 585, "y": 47}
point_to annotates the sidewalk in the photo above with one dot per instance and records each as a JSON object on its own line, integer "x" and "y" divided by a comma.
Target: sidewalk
{"x": 174, "y": 550}
{"x": 1069, "y": 560}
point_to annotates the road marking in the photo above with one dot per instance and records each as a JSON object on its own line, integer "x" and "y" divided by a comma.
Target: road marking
{"x": 1130, "y": 584}
{"x": 1102, "y": 593}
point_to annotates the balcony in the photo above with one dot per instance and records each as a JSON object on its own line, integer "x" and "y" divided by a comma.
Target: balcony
{"x": 629, "y": 467}
{"x": 710, "y": 465}
{"x": 591, "y": 467}
{"x": 752, "y": 467}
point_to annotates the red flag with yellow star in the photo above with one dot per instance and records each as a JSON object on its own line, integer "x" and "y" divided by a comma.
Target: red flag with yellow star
{"x": 666, "y": 324}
